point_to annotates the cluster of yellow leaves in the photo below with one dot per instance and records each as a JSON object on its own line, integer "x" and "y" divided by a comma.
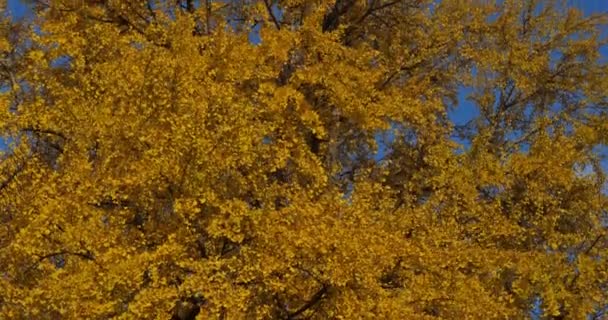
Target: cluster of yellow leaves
{"x": 220, "y": 160}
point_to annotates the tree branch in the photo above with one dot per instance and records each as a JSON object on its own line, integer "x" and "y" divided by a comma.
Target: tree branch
{"x": 272, "y": 16}
{"x": 331, "y": 21}
{"x": 316, "y": 298}
{"x": 45, "y": 131}
{"x": 373, "y": 8}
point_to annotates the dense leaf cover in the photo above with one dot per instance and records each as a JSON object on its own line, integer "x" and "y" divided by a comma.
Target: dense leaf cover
{"x": 294, "y": 159}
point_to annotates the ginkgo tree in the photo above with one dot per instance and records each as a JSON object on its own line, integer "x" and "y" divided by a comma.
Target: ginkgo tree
{"x": 295, "y": 159}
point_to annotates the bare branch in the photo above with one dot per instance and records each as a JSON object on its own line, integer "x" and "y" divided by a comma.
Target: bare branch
{"x": 373, "y": 8}
{"x": 272, "y": 16}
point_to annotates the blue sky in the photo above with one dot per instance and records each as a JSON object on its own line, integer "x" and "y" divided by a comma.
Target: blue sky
{"x": 16, "y": 8}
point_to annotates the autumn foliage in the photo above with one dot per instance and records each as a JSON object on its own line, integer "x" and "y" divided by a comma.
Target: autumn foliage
{"x": 296, "y": 159}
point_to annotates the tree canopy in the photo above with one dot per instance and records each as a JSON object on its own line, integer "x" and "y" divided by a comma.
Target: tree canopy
{"x": 295, "y": 159}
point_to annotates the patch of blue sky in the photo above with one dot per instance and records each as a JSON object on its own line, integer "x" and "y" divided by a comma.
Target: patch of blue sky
{"x": 17, "y": 9}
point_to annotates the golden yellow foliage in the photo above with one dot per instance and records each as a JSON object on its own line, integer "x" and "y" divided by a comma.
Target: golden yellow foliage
{"x": 294, "y": 159}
